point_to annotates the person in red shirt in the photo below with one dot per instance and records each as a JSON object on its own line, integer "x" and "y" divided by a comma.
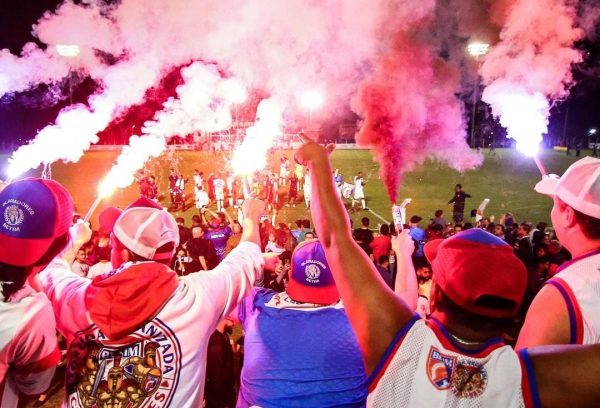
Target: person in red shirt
{"x": 381, "y": 244}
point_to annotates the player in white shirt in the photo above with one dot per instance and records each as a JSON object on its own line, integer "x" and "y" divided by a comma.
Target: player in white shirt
{"x": 457, "y": 358}
{"x": 566, "y": 310}
{"x": 219, "y": 186}
{"x": 140, "y": 334}
{"x": 307, "y": 188}
{"x": 359, "y": 190}
{"x": 198, "y": 181}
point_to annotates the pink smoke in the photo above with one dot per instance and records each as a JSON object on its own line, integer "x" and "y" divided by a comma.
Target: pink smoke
{"x": 409, "y": 109}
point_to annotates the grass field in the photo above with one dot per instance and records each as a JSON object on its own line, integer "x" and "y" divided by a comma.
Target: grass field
{"x": 506, "y": 178}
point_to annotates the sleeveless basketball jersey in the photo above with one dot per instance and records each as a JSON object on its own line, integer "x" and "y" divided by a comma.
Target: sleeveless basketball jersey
{"x": 578, "y": 281}
{"x": 424, "y": 367}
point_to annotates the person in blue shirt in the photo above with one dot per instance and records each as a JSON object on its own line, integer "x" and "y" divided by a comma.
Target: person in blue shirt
{"x": 418, "y": 235}
{"x": 300, "y": 350}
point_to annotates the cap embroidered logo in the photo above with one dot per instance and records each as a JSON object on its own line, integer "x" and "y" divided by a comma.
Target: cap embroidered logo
{"x": 13, "y": 216}
{"x": 312, "y": 273}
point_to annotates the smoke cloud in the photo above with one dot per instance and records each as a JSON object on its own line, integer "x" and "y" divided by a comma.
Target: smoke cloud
{"x": 531, "y": 66}
{"x": 401, "y": 63}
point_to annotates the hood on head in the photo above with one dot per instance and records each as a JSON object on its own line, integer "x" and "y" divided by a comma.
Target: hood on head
{"x": 129, "y": 297}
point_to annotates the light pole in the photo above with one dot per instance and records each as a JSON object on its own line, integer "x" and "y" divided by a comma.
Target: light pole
{"x": 68, "y": 51}
{"x": 476, "y": 49}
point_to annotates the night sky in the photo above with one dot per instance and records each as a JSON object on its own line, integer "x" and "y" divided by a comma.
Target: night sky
{"x": 22, "y": 115}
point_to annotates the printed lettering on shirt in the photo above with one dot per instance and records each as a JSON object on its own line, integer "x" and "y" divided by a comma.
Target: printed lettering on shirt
{"x": 141, "y": 370}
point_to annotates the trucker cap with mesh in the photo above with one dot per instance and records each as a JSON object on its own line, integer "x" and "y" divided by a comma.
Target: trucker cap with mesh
{"x": 144, "y": 230}
{"x": 579, "y": 187}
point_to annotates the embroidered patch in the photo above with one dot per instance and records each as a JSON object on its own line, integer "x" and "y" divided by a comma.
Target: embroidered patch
{"x": 439, "y": 368}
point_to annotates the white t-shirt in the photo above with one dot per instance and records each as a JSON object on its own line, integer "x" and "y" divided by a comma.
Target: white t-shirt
{"x": 99, "y": 269}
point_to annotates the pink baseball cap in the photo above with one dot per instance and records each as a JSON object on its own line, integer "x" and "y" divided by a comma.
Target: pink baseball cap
{"x": 143, "y": 230}
{"x": 579, "y": 187}
{"x": 479, "y": 272}
{"x": 35, "y": 212}
{"x": 311, "y": 280}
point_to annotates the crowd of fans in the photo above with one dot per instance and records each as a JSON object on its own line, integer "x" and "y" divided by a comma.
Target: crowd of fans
{"x": 260, "y": 313}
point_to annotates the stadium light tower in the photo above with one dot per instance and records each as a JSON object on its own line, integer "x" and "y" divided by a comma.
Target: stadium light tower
{"x": 476, "y": 49}
{"x": 311, "y": 100}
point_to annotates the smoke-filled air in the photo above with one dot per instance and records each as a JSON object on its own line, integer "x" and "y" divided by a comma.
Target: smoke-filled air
{"x": 394, "y": 63}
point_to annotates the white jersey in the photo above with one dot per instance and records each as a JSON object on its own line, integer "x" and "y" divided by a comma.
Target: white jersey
{"x": 198, "y": 182}
{"x": 307, "y": 186}
{"x": 219, "y": 189}
{"x": 423, "y": 367}
{"x": 201, "y": 199}
{"x": 359, "y": 192}
{"x": 578, "y": 281}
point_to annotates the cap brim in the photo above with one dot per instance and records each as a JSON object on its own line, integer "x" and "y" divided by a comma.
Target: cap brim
{"x": 30, "y": 250}
{"x": 305, "y": 294}
{"x": 547, "y": 185}
{"x": 430, "y": 249}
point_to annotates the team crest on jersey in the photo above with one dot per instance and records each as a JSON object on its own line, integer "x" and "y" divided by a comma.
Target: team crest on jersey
{"x": 439, "y": 368}
{"x": 469, "y": 380}
{"x": 140, "y": 371}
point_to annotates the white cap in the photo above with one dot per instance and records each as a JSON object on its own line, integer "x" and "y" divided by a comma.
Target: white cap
{"x": 143, "y": 230}
{"x": 579, "y": 187}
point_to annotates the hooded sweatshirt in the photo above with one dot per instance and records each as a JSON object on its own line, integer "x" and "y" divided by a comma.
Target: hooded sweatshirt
{"x": 28, "y": 349}
{"x": 139, "y": 335}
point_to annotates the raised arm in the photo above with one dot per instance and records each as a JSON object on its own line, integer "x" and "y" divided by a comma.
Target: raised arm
{"x": 406, "y": 278}
{"x": 226, "y": 285}
{"x": 375, "y": 312}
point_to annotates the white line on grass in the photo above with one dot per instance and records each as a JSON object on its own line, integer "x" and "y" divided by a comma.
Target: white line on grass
{"x": 378, "y": 216}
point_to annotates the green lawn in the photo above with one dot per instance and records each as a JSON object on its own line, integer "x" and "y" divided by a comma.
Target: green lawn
{"x": 507, "y": 179}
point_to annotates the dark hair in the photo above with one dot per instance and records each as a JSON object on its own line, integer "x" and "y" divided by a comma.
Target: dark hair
{"x": 179, "y": 220}
{"x": 382, "y": 259}
{"x": 103, "y": 253}
{"x": 473, "y": 320}
{"x": 13, "y": 278}
{"x": 439, "y": 213}
{"x": 459, "y": 186}
{"x": 384, "y": 230}
{"x": 306, "y": 223}
{"x": 467, "y": 226}
{"x": 365, "y": 221}
{"x": 18, "y": 274}
{"x": 590, "y": 226}
{"x": 526, "y": 226}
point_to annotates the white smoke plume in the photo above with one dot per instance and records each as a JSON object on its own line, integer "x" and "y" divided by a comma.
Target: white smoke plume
{"x": 531, "y": 66}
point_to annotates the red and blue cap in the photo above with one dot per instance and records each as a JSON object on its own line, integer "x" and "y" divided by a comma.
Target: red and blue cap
{"x": 311, "y": 280}
{"x": 479, "y": 272}
{"x": 35, "y": 212}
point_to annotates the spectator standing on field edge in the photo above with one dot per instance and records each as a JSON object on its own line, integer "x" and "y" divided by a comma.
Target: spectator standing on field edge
{"x": 459, "y": 203}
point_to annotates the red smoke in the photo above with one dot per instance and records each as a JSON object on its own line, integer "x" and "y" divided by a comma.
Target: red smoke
{"x": 411, "y": 112}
